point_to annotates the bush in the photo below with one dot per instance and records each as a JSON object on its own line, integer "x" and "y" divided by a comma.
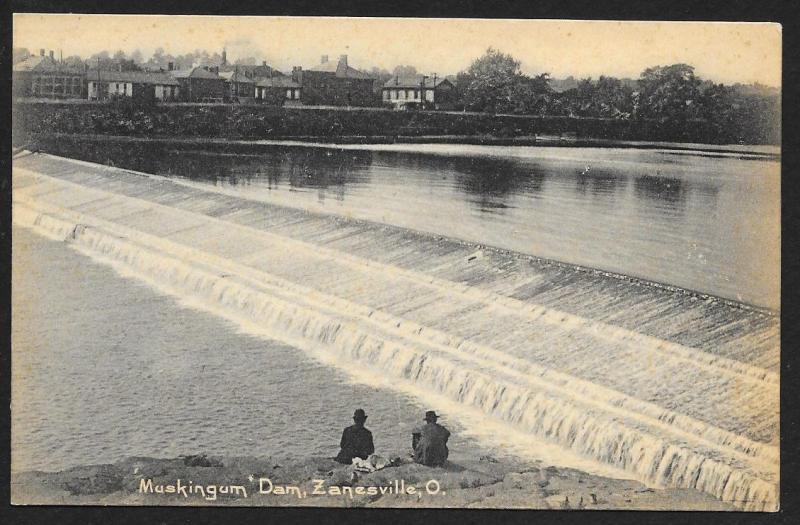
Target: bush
{"x": 131, "y": 117}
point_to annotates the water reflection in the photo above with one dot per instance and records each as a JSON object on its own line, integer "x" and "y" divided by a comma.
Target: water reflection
{"x": 599, "y": 182}
{"x": 633, "y": 212}
{"x": 661, "y": 189}
{"x": 491, "y": 184}
{"x": 322, "y": 169}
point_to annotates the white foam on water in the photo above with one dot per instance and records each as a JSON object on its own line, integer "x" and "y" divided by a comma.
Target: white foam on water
{"x": 536, "y": 420}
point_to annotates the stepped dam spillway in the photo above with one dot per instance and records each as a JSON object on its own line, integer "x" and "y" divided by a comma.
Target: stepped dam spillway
{"x": 676, "y": 388}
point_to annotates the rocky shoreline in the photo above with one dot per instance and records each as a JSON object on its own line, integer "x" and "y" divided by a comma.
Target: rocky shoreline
{"x": 321, "y": 482}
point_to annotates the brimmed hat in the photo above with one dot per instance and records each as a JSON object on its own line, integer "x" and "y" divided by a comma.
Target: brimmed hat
{"x": 430, "y": 415}
{"x": 359, "y": 414}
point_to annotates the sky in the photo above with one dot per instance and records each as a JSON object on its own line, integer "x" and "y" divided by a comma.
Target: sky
{"x": 722, "y": 52}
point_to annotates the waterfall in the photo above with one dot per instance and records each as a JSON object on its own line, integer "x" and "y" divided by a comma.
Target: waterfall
{"x": 658, "y": 446}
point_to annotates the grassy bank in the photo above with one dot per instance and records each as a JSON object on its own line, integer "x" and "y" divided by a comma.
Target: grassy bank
{"x": 266, "y": 122}
{"x": 476, "y": 483}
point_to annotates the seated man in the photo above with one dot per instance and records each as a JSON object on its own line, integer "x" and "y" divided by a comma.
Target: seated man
{"x": 356, "y": 440}
{"x": 430, "y": 442}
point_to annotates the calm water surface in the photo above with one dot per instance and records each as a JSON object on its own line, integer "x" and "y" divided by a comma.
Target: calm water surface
{"x": 706, "y": 223}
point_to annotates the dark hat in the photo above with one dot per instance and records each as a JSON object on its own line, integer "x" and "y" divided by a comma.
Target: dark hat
{"x": 359, "y": 414}
{"x": 430, "y": 415}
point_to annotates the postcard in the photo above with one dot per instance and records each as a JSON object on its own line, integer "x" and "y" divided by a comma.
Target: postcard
{"x": 392, "y": 262}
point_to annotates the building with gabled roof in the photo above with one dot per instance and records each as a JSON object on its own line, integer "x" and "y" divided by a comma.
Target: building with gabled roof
{"x": 277, "y": 86}
{"x": 44, "y": 76}
{"x": 105, "y": 84}
{"x": 238, "y": 85}
{"x": 200, "y": 84}
{"x": 419, "y": 90}
{"x": 335, "y": 84}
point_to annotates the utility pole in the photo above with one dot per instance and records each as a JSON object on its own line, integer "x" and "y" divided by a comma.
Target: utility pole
{"x": 422, "y": 92}
{"x": 434, "y": 90}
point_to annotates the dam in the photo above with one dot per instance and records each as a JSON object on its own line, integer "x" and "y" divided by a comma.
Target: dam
{"x": 677, "y": 388}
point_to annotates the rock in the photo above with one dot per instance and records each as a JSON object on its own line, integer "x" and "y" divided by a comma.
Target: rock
{"x": 99, "y": 479}
{"x": 201, "y": 460}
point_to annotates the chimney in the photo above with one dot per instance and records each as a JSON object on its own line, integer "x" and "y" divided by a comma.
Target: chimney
{"x": 51, "y": 55}
{"x": 263, "y": 62}
{"x": 343, "y": 59}
{"x": 170, "y": 66}
{"x": 396, "y": 80}
{"x": 41, "y": 52}
{"x": 324, "y": 59}
{"x": 224, "y": 56}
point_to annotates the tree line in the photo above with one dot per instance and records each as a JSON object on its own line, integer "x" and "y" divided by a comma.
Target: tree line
{"x": 671, "y": 97}
{"x": 669, "y": 102}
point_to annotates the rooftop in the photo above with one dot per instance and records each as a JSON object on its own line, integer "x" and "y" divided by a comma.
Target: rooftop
{"x": 139, "y": 77}
{"x": 236, "y": 76}
{"x": 195, "y": 72}
{"x": 340, "y": 68}
{"x": 414, "y": 82}
{"x": 44, "y": 64}
{"x": 282, "y": 82}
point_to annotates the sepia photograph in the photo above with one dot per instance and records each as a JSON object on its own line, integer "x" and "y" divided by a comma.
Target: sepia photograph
{"x": 293, "y": 261}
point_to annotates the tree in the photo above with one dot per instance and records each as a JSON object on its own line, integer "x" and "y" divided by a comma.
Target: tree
{"x": 405, "y": 71}
{"x": 246, "y": 61}
{"x": 494, "y": 83}
{"x": 669, "y": 93}
{"x": 74, "y": 61}
{"x": 137, "y": 57}
{"x": 382, "y": 76}
{"x": 20, "y": 54}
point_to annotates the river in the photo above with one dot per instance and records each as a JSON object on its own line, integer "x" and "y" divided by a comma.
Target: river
{"x": 107, "y": 368}
{"x": 708, "y": 222}
{"x": 374, "y": 315}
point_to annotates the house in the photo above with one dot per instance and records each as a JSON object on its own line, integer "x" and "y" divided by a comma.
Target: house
{"x": 252, "y": 71}
{"x": 143, "y": 85}
{"x": 44, "y": 76}
{"x": 335, "y": 84}
{"x": 238, "y": 86}
{"x": 279, "y": 85}
{"x": 200, "y": 84}
{"x": 403, "y": 92}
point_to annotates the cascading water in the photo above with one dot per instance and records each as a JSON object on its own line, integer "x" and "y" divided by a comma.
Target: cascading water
{"x": 660, "y": 446}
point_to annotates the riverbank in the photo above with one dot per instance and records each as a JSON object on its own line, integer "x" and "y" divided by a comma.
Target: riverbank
{"x": 478, "y": 483}
{"x": 267, "y": 122}
{"x": 763, "y": 152}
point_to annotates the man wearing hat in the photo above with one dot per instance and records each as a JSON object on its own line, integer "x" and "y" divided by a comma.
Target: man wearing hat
{"x": 356, "y": 440}
{"x": 429, "y": 442}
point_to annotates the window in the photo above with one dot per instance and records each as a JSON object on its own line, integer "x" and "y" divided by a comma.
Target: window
{"x": 46, "y": 85}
